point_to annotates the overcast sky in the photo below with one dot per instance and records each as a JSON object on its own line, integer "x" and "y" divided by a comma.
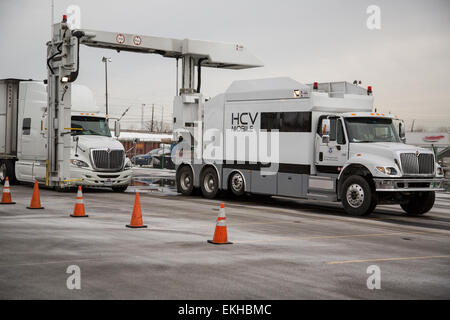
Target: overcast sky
{"x": 407, "y": 61}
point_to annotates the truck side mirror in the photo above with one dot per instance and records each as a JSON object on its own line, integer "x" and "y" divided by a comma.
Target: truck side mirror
{"x": 325, "y": 130}
{"x": 117, "y": 128}
{"x": 401, "y": 132}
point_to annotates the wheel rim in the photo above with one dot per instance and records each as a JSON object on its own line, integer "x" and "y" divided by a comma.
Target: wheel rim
{"x": 208, "y": 183}
{"x": 355, "y": 195}
{"x": 185, "y": 181}
{"x": 237, "y": 182}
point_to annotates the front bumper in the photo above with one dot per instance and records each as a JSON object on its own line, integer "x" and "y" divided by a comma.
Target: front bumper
{"x": 100, "y": 179}
{"x": 409, "y": 185}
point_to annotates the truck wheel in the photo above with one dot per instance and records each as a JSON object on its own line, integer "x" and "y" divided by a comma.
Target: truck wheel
{"x": 419, "y": 204}
{"x": 7, "y": 169}
{"x": 120, "y": 188}
{"x": 185, "y": 181}
{"x": 357, "y": 197}
{"x": 237, "y": 185}
{"x": 209, "y": 183}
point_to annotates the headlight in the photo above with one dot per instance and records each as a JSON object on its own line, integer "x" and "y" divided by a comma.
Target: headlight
{"x": 79, "y": 163}
{"x": 387, "y": 170}
{"x": 127, "y": 164}
{"x": 439, "y": 171}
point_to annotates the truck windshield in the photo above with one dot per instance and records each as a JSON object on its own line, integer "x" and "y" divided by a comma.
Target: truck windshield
{"x": 90, "y": 126}
{"x": 371, "y": 129}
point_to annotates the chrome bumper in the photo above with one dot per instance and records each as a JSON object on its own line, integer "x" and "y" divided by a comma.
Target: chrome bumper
{"x": 409, "y": 185}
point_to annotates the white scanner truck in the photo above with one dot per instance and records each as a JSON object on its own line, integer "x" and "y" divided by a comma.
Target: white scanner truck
{"x": 331, "y": 146}
{"x": 96, "y": 158}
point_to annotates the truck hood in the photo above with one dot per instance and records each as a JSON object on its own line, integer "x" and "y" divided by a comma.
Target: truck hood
{"x": 385, "y": 154}
{"x": 384, "y": 149}
{"x": 98, "y": 142}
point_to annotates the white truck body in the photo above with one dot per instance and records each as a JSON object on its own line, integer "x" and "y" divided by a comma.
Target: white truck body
{"x": 96, "y": 159}
{"x": 308, "y": 165}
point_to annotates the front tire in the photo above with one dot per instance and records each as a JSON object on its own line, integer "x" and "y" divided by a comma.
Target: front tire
{"x": 185, "y": 181}
{"x": 419, "y": 204}
{"x": 209, "y": 183}
{"x": 357, "y": 197}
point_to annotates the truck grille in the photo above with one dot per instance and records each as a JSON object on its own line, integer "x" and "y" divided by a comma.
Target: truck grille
{"x": 421, "y": 164}
{"x": 108, "y": 160}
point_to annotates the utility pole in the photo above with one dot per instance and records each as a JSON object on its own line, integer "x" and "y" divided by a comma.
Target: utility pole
{"x": 142, "y": 116}
{"x": 106, "y": 60}
{"x": 153, "y": 109}
{"x": 162, "y": 119}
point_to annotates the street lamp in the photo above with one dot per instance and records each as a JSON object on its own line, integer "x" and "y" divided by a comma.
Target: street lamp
{"x": 106, "y": 60}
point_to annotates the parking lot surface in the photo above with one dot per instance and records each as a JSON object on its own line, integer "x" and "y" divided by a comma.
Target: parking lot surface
{"x": 282, "y": 248}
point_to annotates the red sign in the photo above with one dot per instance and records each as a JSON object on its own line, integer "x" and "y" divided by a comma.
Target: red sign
{"x": 120, "y": 38}
{"x": 433, "y": 138}
{"x": 137, "y": 40}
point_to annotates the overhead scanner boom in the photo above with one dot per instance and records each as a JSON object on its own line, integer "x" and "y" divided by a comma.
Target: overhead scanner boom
{"x": 215, "y": 54}
{"x": 63, "y": 65}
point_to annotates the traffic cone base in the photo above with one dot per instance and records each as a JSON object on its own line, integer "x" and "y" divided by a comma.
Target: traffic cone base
{"x": 219, "y": 243}
{"x": 35, "y": 208}
{"x": 74, "y": 216}
{"x": 135, "y": 227}
{"x": 7, "y": 203}
{"x": 136, "y": 216}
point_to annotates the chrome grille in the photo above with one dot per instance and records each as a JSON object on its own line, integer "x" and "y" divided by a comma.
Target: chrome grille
{"x": 104, "y": 159}
{"x": 421, "y": 164}
{"x": 426, "y": 163}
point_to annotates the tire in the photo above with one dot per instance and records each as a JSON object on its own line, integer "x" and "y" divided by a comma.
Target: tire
{"x": 7, "y": 168}
{"x": 420, "y": 204}
{"x": 237, "y": 184}
{"x": 209, "y": 183}
{"x": 119, "y": 188}
{"x": 185, "y": 181}
{"x": 357, "y": 196}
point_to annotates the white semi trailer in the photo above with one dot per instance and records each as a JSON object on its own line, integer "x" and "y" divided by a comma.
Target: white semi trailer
{"x": 328, "y": 142}
{"x": 96, "y": 158}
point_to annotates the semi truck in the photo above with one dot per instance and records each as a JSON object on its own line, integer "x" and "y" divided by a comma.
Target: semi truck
{"x": 330, "y": 144}
{"x": 96, "y": 158}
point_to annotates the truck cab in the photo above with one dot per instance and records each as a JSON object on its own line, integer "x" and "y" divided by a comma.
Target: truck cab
{"x": 370, "y": 145}
{"x": 96, "y": 158}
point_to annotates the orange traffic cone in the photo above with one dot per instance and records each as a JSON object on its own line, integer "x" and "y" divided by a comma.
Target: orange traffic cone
{"x": 35, "y": 199}
{"x": 6, "y": 196}
{"x": 78, "y": 210}
{"x": 136, "y": 217}
{"x": 220, "y": 234}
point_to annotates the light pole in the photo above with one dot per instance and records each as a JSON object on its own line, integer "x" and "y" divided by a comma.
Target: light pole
{"x": 106, "y": 60}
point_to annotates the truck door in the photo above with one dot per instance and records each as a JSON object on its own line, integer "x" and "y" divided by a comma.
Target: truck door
{"x": 330, "y": 156}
